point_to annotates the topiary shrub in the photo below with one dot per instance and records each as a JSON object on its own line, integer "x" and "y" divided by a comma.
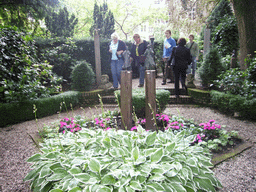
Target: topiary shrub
{"x": 211, "y": 67}
{"x": 82, "y": 76}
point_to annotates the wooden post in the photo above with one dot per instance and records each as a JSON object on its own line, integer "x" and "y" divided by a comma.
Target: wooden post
{"x": 126, "y": 99}
{"x": 150, "y": 90}
{"x": 207, "y": 38}
{"x": 97, "y": 57}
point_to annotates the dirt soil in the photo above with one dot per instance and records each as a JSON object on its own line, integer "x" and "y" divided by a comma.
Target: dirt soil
{"x": 236, "y": 174}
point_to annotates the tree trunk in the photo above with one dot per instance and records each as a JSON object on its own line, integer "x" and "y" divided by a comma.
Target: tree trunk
{"x": 245, "y": 12}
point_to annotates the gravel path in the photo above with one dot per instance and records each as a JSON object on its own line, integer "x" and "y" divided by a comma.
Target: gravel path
{"x": 236, "y": 174}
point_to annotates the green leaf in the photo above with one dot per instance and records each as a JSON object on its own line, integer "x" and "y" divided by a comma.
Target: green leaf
{"x": 150, "y": 140}
{"x": 158, "y": 187}
{"x": 151, "y": 189}
{"x": 34, "y": 158}
{"x": 135, "y": 185}
{"x": 156, "y": 157}
{"x": 157, "y": 177}
{"x": 45, "y": 171}
{"x": 56, "y": 166}
{"x": 204, "y": 184}
{"x": 108, "y": 180}
{"x": 191, "y": 162}
{"x": 82, "y": 177}
{"x": 170, "y": 147}
{"x": 76, "y": 189}
{"x": 148, "y": 152}
{"x": 177, "y": 165}
{"x": 57, "y": 175}
{"x": 75, "y": 170}
{"x": 31, "y": 175}
{"x": 94, "y": 165}
{"x": 56, "y": 190}
{"x": 135, "y": 153}
{"x": 104, "y": 189}
{"x": 52, "y": 155}
{"x": 127, "y": 142}
{"x": 172, "y": 173}
{"x": 178, "y": 187}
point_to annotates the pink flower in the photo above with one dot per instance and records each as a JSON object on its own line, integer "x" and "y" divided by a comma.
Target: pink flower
{"x": 72, "y": 130}
{"x": 107, "y": 128}
{"x": 63, "y": 131}
{"x": 157, "y": 115}
{"x": 134, "y": 128}
{"x": 62, "y": 124}
{"x": 201, "y": 124}
{"x": 143, "y": 121}
{"x": 181, "y": 125}
{"x": 66, "y": 119}
{"x": 102, "y": 125}
{"x": 211, "y": 121}
{"x": 176, "y": 122}
{"x": 166, "y": 118}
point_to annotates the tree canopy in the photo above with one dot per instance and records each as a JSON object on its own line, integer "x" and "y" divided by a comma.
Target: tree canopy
{"x": 103, "y": 21}
{"x": 24, "y": 13}
{"x": 60, "y": 24}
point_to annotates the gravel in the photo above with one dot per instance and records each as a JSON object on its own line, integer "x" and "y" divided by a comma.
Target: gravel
{"x": 236, "y": 174}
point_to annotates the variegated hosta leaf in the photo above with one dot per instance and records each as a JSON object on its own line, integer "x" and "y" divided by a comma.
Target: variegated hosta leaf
{"x": 94, "y": 165}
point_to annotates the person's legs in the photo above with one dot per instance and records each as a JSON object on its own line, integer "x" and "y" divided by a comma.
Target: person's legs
{"x": 114, "y": 64}
{"x": 193, "y": 66}
{"x": 165, "y": 73}
{"x": 183, "y": 78}
{"x": 119, "y": 69}
{"x": 177, "y": 76}
{"x": 142, "y": 74}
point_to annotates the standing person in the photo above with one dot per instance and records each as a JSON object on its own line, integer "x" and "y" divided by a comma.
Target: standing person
{"x": 116, "y": 48}
{"x": 194, "y": 51}
{"x": 182, "y": 58}
{"x": 137, "y": 54}
{"x": 169, "y": 43}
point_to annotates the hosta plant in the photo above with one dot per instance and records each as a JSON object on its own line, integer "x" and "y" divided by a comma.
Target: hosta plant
{"x": 121, "y": 161}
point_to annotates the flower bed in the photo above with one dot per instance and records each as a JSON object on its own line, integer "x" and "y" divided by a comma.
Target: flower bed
{"x": 96, "y": 155}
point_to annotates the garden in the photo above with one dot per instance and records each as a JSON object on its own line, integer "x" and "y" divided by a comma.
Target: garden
{"x": 57, "y": 135}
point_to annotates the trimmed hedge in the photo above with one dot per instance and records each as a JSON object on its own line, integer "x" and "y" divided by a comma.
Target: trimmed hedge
{"x": 200, "y": 96}
{"x": 139, "y": 100}
{"x": 12, "y": 113}
{"x": 230, "y": 103}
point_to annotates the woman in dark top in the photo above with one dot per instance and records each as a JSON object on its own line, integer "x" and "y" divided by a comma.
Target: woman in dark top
{"x": 116, "y": 48}
{"x": 138, "y": 49}
{"x": 182, "y": 60}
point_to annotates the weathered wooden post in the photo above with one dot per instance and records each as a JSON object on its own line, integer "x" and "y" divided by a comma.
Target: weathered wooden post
{"x": 126, "y": 99}
{"x": 207, "y": 38}
{"x": 150, "y": 90}
{"x": 97, "y": 57}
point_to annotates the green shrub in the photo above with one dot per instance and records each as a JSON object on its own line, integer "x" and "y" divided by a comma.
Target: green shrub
{"x": 118, "y": 160}
{"x": 23, "y": 76}
{"x": 82, "y": 76}
{"x": 200, "y": 96}
{"x": 230, "y": 103}
{"x": 226, "y": 36}
{"x": 211, "y": 67}
{"x": 139, "y": 102}
{"x": 17, "y": 112}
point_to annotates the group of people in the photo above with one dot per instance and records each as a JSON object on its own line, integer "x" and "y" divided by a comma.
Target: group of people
{"x": 178, "y": 60}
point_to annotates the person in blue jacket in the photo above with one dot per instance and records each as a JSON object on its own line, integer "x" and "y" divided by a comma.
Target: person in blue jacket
{"x": 169, "y": 43}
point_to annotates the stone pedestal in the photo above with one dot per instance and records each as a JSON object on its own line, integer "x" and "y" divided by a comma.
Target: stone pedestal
{"x": 190, "y": 81}
{"x": 104, "y": 83}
